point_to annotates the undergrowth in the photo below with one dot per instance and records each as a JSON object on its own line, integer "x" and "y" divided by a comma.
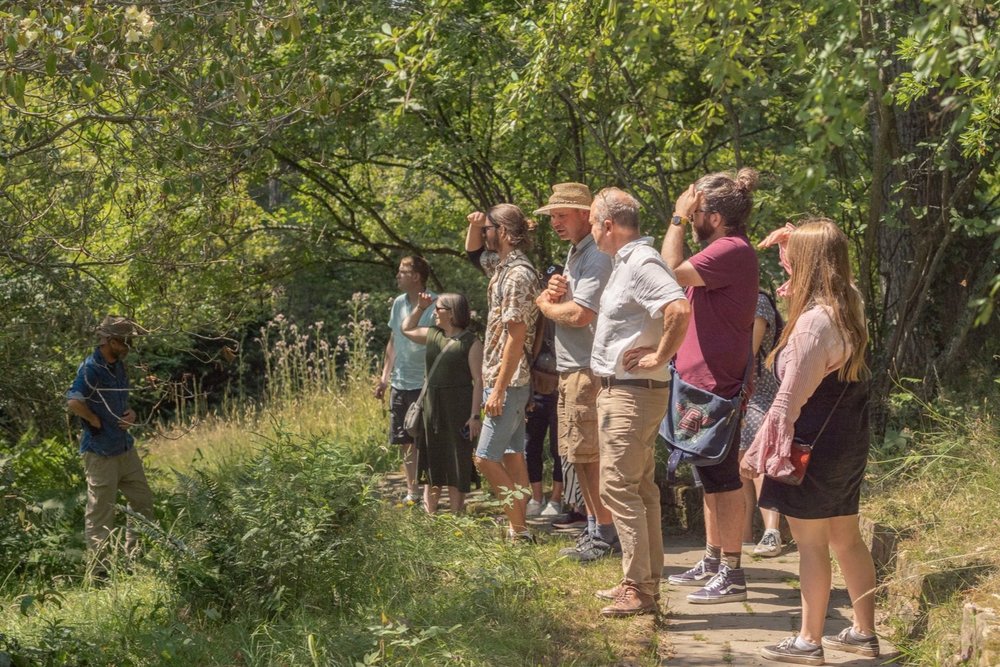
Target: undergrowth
{"x": 287, "y": 556}
{"x": 936, "y": 480}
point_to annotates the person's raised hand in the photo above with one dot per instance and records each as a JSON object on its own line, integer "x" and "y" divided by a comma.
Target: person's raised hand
{"x": 476, "y": 218}
{"x": 689, "y": 201}
{"x": 424, "y": 300}
{"x": 778, "y": 236}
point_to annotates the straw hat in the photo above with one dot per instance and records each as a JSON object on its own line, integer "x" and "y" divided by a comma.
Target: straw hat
{"x": 567, "y": 195}
{"x": 115, "y": 326}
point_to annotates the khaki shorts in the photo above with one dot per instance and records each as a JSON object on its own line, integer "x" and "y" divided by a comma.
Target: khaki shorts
{"x": 578, "y": 416}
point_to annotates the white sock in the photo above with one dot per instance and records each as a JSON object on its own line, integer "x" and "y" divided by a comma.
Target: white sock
{"x": 803, "y": 645}
{"x": 859, "y": 635}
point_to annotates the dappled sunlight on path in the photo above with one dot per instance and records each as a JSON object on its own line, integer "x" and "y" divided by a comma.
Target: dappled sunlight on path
{"x": 733, "y": 633}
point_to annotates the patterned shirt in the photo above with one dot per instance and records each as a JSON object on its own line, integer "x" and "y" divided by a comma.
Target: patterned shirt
{"x": 514, "y": 286}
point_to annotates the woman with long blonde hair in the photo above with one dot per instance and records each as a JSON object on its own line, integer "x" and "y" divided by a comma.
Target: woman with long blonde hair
{"x": 822, "y": 401}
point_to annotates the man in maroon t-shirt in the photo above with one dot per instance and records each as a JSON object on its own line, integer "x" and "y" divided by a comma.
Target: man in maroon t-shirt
{"x": 721, "y": 283}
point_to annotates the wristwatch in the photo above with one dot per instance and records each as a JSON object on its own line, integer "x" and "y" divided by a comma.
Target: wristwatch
{"x": 679, "y": 220}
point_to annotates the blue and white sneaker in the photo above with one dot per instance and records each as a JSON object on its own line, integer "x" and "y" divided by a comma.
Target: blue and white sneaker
{"x": 726, "y": 586}
{"x": 698, "y": 575}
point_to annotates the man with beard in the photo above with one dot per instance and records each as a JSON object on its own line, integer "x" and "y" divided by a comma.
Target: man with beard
{"x": 721, "y": 283}
{"x": 99, "y": 397}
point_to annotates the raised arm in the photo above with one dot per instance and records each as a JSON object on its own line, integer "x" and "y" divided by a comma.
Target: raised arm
{"x": 672, "y": 250}
{"x": 411, "y": 325}
{"x": 474, "y": 234}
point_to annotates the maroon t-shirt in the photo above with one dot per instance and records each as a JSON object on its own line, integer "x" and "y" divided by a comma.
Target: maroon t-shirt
{"x": 716, "y": 348}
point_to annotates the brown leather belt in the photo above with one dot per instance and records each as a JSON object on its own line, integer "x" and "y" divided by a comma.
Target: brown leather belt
{"x": 612, "y": 381}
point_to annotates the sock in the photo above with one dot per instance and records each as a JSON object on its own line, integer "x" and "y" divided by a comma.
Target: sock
{"x": 803, "y": 645}
{"x": 591, "y": 524}
{"x": 859, "y": 635}
{"x": 731, "y": 560}
{"x": 713, "y": 553}
{"x": 608, "y": 532}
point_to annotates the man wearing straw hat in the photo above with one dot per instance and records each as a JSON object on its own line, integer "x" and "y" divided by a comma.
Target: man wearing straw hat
{"x": 99, "y": 397}
{"x": 571, "y": 301}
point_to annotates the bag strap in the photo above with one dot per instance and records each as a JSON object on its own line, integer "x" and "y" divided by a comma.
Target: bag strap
{"x": 427, "y": 378}
{"x": 832, "y": 410}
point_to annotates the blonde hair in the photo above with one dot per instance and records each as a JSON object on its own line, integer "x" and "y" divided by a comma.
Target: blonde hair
{"x": 821, "y": 273}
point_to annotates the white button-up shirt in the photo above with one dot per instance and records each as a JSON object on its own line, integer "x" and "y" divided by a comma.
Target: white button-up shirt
{"x": 632, "y": 306}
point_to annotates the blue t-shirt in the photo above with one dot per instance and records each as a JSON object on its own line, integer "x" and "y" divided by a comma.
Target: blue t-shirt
{"x": 104, "y": 387}
{"x": 408, "y": 369}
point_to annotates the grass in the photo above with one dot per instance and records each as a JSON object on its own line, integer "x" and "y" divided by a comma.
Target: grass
{"x": 938, "y": 481}
{"x": 399, "y": 588}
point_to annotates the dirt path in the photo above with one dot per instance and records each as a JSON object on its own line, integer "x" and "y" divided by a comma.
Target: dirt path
{"x": 732, "y": 633}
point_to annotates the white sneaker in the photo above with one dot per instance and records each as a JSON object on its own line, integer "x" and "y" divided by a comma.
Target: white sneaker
{"x": 534, "y": 508}
{"x": 769, "y": 545}
{"x": 552, "y": 509}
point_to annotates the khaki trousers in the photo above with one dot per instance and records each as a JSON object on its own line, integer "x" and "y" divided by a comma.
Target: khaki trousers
{"x": 106, "y": 476}
{"x": 629, "y": 419}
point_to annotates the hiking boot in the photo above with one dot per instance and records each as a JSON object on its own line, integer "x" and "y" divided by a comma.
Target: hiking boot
{"x": 534, "y": 508}
{"x": 521, "y": 538}
{"x": 726, "y": 586}
{"x": 613, "y": 593}
{"x": 847, "y": 641}
{"x": 703, "y": 570}
{"x": 629, "y": 602}
{"x": 572, "y": 520}
{"x": 596, "y": 549}
{"x": 552, "y": 509}
{"x": 582, "y": 542}
{"x": 769, "y": 545}
{"x": 786, "y": 651}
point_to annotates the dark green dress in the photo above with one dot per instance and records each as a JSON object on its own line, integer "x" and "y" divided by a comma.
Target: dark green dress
{"x": 444, "y": 457}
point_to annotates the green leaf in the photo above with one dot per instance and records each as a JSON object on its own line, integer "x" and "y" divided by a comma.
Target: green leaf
{"x": 96, "y": 70}
{"x": 50, "y": 64}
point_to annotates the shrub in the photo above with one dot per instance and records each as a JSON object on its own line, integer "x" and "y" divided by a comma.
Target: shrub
{"x": 267, "y": 531}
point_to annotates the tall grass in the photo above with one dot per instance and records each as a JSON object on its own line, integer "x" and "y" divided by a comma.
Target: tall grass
{"x": 273, "y": 548}
{"x": 937, "y": 479}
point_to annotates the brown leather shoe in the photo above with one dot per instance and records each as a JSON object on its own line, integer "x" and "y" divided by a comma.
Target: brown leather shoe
{"x": 630, "y": 602}
{"x": 613, "y": 593}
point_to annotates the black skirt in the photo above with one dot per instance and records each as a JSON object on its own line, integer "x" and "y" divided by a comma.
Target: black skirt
{"x": 832, "y": 485}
